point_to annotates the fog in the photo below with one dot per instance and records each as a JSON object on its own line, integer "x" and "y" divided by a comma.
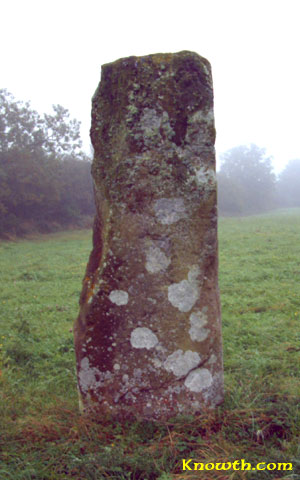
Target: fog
{"x": 52, "y": 53}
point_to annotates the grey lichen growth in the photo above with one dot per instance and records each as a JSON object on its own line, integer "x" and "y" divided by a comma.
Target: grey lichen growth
{"x": 183, "y": 295}
{"x": 119, "y": 297}
{"x": 169, "y": 210}
{"x": 156, "y": 260}
{"x": 150, "y": 124}
{"x": 132, "y": 110}
{"x": 200, "y": 126}
{"x": 86, "y": 375}
{"x": 206, "y": 178}
{"x": 197, "y": 331}
{"x": 198, "y": 380}
{"x": 181, "y": 363}
{"x": 193, "y": 273}
{"x": 212, "y": 359}
{"x": 143, "y": 337}
{"x": 201, "y": 116}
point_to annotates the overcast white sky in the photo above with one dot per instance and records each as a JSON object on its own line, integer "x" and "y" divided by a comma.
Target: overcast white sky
{"x": 52, "y": 52}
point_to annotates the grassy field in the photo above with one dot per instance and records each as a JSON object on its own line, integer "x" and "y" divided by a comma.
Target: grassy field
{"x": 44, "y": 437}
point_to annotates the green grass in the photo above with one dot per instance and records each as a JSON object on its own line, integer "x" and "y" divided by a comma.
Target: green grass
{"x": 44, "y": 437}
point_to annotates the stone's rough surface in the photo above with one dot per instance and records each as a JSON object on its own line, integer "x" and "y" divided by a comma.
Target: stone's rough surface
{"x": 148, "y": 336}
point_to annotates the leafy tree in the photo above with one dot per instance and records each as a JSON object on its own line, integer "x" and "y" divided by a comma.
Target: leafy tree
{"x": 289, "y": 185}
{"x": 44, "y": 176}
{"x": 62, "y": 133}
{"x": 247, "y": 181}
{"x": 21, "y": 143}
{"x": 21, "y": 128}
{"x": 24, "y": 129}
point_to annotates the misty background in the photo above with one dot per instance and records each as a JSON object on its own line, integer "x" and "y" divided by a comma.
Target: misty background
{"x": 46, "y": 185}
{"x": 51, "y": 66}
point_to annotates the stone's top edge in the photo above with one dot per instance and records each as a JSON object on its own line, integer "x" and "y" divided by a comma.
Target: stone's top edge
{"x": 158, "y": 58}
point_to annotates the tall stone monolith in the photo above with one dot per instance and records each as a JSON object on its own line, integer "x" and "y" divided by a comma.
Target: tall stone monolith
{"x": 148, "y": 336}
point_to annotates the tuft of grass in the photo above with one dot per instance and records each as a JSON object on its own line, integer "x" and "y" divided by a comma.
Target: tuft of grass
{"x": 44, "y": 437}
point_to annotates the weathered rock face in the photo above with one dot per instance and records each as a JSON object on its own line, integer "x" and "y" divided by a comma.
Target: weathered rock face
{"x": 148, "y": 336}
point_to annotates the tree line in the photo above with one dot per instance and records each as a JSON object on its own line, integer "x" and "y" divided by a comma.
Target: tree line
{"x": 248, "y": 185}
{"x": 45, "y": 181}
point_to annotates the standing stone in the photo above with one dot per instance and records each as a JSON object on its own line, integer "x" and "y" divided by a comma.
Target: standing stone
{"x": 148, "y": 336}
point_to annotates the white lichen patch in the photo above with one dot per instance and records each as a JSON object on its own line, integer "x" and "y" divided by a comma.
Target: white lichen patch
{"x": 166, "y": 127}
{"x": 197, "y": 331}
{"x": 150, "y": 123}
{"x": 198, "y": 318}
{"x": 214, "y": 394}
{"x": 156, "y": 260}
{"x": 86, "y": 375}
{"x": 206, "y": 178}
{"x": 194, "y": 273}
{"x": 212, "y": 359}
{"x": 157, "y": 363}
{"x": 119, "y": 297}
{"x": 180, "y": 363}
{"x": 143, "y": 337}
{"x": 183, "y": 295}
{"x": 202, "y": 116}
{"x": 169, "y": 210}
{"x": 200, "y": 129}
{"x": 198, "y": 380}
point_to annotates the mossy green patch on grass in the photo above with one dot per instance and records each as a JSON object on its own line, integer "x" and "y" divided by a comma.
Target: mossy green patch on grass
{"x": 44, "y": 437}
